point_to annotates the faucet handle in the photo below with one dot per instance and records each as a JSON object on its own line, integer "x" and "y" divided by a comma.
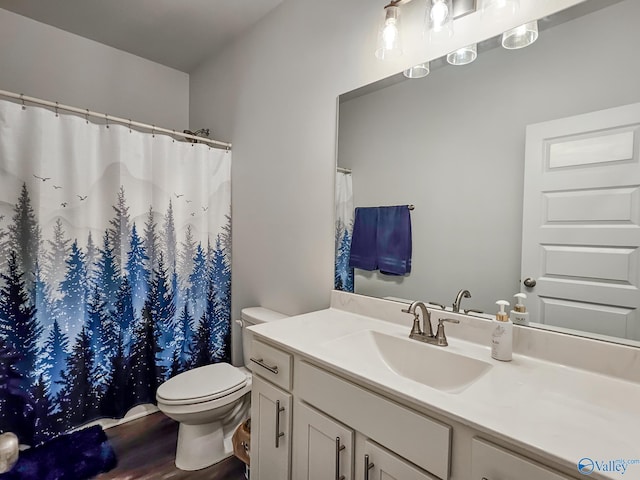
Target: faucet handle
{"x": 441, "y": 337}
{"x": 442, "y": 307}
{"x": 450, "y": 320}
{"x": 415, "y": 329}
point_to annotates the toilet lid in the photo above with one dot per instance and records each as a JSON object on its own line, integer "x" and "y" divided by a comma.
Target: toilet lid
{"x": 203, "y": 383}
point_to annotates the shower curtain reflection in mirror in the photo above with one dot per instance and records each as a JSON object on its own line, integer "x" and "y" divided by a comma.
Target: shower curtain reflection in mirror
{"x": 343, "y": 279}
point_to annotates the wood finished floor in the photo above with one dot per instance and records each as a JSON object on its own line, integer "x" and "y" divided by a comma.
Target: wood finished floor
{"x": 146, "y": 448}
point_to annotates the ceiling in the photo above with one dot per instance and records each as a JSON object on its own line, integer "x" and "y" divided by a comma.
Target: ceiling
{"x": 177, "y": 33}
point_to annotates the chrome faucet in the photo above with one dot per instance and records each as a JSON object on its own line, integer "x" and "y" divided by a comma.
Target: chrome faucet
{"x": 461, "y": 294}
{"x": 426, "y": 333}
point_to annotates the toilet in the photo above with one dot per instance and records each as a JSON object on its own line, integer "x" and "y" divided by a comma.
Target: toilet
{"x": 210, "y": 402}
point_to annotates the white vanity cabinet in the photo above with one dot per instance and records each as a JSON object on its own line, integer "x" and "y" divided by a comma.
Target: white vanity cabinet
{"x": 374, "y": 462}
{"x": 270, "y": 413}
{"x": 270, "y": 431}
{"x": 490, "y": 462}
{"x": 417, "y": 439}
{"x": 324, "y": 446}
{"x": 329, "y": 449}
{"x": 313, "y": 423}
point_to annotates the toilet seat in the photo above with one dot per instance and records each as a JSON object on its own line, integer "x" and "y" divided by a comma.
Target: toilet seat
{"x": 202, "y": 384}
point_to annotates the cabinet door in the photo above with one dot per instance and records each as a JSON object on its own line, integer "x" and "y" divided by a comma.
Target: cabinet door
{"x": 270, "y": 431}
{"x": 325, "y": 446}
{"x": 490, "y": 462}
{"x": 377, "y": 463}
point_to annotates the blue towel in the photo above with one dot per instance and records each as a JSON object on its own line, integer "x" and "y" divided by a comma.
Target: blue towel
{"x": 394, "y": 240}
{"x": 363, "y": 241}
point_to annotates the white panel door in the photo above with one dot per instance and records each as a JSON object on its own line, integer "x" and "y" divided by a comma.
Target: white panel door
{"x": 324, "y": 447}
{"x": 581, "y": 222}
{"x": 377, "y": 463}
{"x": 270, "y": 431}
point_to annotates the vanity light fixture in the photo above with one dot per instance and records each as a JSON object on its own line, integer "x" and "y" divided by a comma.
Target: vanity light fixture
{"x": 438, "y": 23}
{"x": 464, "y": 55}
{"x": 417, "y": 71}
{"x": 439, "y": 19}
{"x": 389, "y": 40}
{"x": 521, "y": 36}
{"x": 500, "y": 7}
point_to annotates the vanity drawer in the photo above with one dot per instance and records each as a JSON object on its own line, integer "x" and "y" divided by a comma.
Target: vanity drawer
{"x": 419, "y": 439}
{"x": 490, "y": 462}
{"x": 271, "y": 364}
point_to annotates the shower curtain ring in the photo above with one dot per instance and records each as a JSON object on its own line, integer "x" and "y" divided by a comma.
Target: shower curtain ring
{"x": 57, "y": 109}
{"x": 173, "y": 140}
{"x": 153, "y": 131}
{"x": 86, "y": 116}
{"x": 106, "y": 117}
{"x": 129, "y": 125}
{"x": 22, "y": 99}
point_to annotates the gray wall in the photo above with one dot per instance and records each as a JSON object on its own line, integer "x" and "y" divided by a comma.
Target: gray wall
{"x": 49, "y": 63}
{"x": 453, "y": 145}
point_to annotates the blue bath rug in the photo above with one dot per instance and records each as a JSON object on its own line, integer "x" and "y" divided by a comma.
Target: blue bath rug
{"x": 76, "y": 456}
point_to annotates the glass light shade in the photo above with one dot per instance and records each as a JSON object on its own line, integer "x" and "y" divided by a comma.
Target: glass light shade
{"x": 464, "y": 55}
{"x": 500, "y": 7}
{"x": 521, "y": 36}
{"x": 389, "y": 36}
{"x": 417, "y": 71}
{"x": 439, "y": 19}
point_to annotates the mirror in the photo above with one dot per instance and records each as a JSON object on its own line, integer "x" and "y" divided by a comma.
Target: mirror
{"x": 453, "y": 145}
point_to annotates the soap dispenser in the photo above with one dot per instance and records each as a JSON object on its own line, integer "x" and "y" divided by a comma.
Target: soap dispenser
{"x": 502, "y": 337}
{"x": 519, "y": 314}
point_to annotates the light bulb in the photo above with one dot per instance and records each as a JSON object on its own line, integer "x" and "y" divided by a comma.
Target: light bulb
{"x": 439, "y": 19}
{"x": 389, "y": 35}
{"x": 439, "y": 13}
{"x": 500, "y": 8}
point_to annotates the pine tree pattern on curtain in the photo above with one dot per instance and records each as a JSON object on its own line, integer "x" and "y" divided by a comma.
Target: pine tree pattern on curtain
{"x": 115, "y": 267}
{"x": 343, "y": 277}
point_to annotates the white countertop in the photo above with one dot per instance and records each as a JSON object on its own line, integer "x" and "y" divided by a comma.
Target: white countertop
{"x": 558, "y": 412}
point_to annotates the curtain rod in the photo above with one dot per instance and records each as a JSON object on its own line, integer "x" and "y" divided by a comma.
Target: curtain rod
{"x": 343, "y": 170}
{"x": 108, "y": 118}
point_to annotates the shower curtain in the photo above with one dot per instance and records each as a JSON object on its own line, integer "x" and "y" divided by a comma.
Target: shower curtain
{"x": 115, "y": 267}
{"x": 343, "y": 277}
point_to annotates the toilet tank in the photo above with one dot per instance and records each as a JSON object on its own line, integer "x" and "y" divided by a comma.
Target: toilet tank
{"x": 254, "y": 316}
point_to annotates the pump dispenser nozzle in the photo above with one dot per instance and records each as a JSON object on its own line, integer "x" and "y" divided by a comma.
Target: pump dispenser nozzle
{"x": 519, "y": 306}
{"x": 502, "y": 315}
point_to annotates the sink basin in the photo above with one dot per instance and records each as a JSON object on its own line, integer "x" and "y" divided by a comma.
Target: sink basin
{"x": 430, "y": 365}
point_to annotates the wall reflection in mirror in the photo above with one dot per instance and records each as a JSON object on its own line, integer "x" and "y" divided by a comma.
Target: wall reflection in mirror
{"x": 453, "y": 144}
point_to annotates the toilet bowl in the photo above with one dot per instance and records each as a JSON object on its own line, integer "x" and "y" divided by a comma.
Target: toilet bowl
{"x": 210, "y": 402}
